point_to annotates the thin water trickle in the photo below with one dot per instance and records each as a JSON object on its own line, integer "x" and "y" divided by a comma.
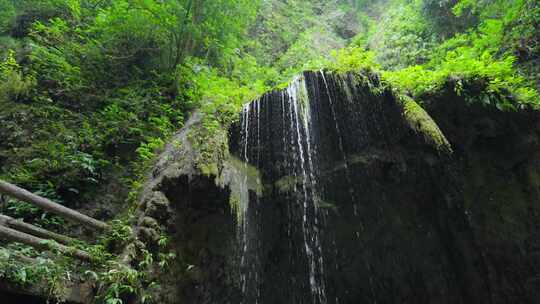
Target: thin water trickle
{"x": 242, "y": 234}
{"x": 284, "y": 153}
{"x": 340, "y": 143}
{"x": 257, "y": 210}
{"x": 258, "y": 116}
{"x": 245, "y": 122}
{"x": 249, "y": 275}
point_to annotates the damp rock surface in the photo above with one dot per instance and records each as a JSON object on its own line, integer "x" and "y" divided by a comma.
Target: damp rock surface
{"x": 369, "y": 213}
{"x": 333, "y": 191}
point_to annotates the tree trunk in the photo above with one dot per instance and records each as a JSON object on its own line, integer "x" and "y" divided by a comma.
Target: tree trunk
{"x": 33, "y": 230}
{"x": 50, "y": 206}
{"x": 39, "y": 243}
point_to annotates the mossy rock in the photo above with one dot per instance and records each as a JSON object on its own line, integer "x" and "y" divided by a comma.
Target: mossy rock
{"x": 420, "y": 121}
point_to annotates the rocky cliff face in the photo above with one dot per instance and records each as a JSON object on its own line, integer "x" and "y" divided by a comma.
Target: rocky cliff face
{"x": 497, "y": 160}
{"x": 337, "y": 191}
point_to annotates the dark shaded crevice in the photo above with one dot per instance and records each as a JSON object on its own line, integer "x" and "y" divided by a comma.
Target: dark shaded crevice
{"x": 204, "y": 236}
{"x": 14, "y": 298}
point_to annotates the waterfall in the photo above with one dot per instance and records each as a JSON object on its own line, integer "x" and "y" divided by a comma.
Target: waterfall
{"x": 243, "y": 235}
{"x": 247, "y": 228}
{"x": 298, "y": 98}
{"x": 299, "y": 154}
{"x": 335, "y": 199}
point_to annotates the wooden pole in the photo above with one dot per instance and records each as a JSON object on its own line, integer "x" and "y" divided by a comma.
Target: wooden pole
{"x": 39, "y": 243}
{"x": 48, "y": 205}
{"x": 34, "y": 230}
{"x": 22, "y": 258}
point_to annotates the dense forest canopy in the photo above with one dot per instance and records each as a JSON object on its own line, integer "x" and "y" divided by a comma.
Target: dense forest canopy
{"x": 90, "y": 90}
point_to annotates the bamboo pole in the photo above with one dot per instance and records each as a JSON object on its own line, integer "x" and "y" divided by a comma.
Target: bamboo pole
{"x": 39, "y": 243}
{"x": 34, "y": 230}
{"x": 48, "y": 205}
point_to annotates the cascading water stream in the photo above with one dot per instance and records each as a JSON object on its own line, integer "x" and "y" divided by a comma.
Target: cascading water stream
{"x": 298, "y": 98}
{"x": 244, "y": 197}
{"x": 298, "y": 159}
{"x": 247, "y": 229}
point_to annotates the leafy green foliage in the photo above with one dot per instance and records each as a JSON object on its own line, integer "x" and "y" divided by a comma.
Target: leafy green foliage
{"x": 98, "y": 93}
{"x": 54, "y": 271}
{"x": 499, "y": 76}
{"x": 352, "y": 59}
{"x": 423, "y": 45}
{"x": 7, "y": 11}
{"x": 13, "y": 84}
{"x": 403, "y": 38}
{"x": 473, "y": 56}
{"x": 120, "y": 280}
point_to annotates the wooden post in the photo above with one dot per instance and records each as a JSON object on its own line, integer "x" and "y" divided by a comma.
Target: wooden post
{"x": 39, "y": 243}
{"x": 48, "y": 205}
{"x": 33, "y": 230}
{"x": 23, "y": 258}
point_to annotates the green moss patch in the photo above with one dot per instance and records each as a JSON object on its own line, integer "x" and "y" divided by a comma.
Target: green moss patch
{"x": 420, "y": 121}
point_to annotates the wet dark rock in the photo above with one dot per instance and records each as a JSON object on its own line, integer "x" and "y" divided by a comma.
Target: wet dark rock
{"x": 353, "y": 198}
{"x": 156, "y": 206}
{"x": 148, "y": 222}
{"x": 76, "y": 292}
{"x": 189, "y": 208}
{"x": 148, "y": 235}
{"x": 498, "y": 165}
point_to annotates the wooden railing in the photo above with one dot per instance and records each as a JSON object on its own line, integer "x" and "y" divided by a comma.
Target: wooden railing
{"x": 18, "y": 231}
